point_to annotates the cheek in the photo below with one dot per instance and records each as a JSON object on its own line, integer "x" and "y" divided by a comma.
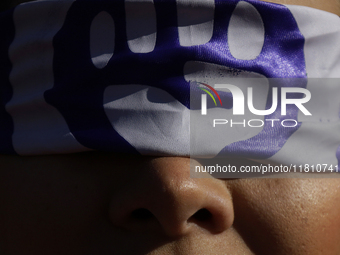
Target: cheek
{"x": 289, "y": 216}
{"x": 42, "y": 208}
{"x": 332, "y": 6}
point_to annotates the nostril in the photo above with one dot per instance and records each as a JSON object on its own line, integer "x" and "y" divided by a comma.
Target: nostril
{"x": 142, "y": 214}
{"x": 202, "y": 215}
{"x": 208, "y": 221}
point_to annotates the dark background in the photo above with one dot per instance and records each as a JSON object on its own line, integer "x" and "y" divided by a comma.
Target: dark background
{"x": 7, "y": 4}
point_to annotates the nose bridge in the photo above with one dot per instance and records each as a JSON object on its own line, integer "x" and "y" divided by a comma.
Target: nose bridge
{"x": 166, "y": 196}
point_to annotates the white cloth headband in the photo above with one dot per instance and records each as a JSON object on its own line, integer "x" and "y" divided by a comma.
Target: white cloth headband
{"x": 114, "y": 75}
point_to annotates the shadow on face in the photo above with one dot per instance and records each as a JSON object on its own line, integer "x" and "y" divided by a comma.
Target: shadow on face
{"x": 101, "y": 203}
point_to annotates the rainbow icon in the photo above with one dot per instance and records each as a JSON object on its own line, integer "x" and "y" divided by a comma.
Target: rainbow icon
{"x": 208, "y": 92}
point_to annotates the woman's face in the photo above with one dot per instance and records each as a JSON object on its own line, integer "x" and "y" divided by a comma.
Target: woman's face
{"x": 95, "y": 203}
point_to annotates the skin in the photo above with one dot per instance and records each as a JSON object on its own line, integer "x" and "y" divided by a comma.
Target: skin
{"x": 101, "y": 203}
{"x": 90, "y": 203}
{"x": 328, "y": 5}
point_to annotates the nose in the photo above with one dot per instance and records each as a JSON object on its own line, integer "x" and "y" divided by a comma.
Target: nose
{"x": 161, "y": 197}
